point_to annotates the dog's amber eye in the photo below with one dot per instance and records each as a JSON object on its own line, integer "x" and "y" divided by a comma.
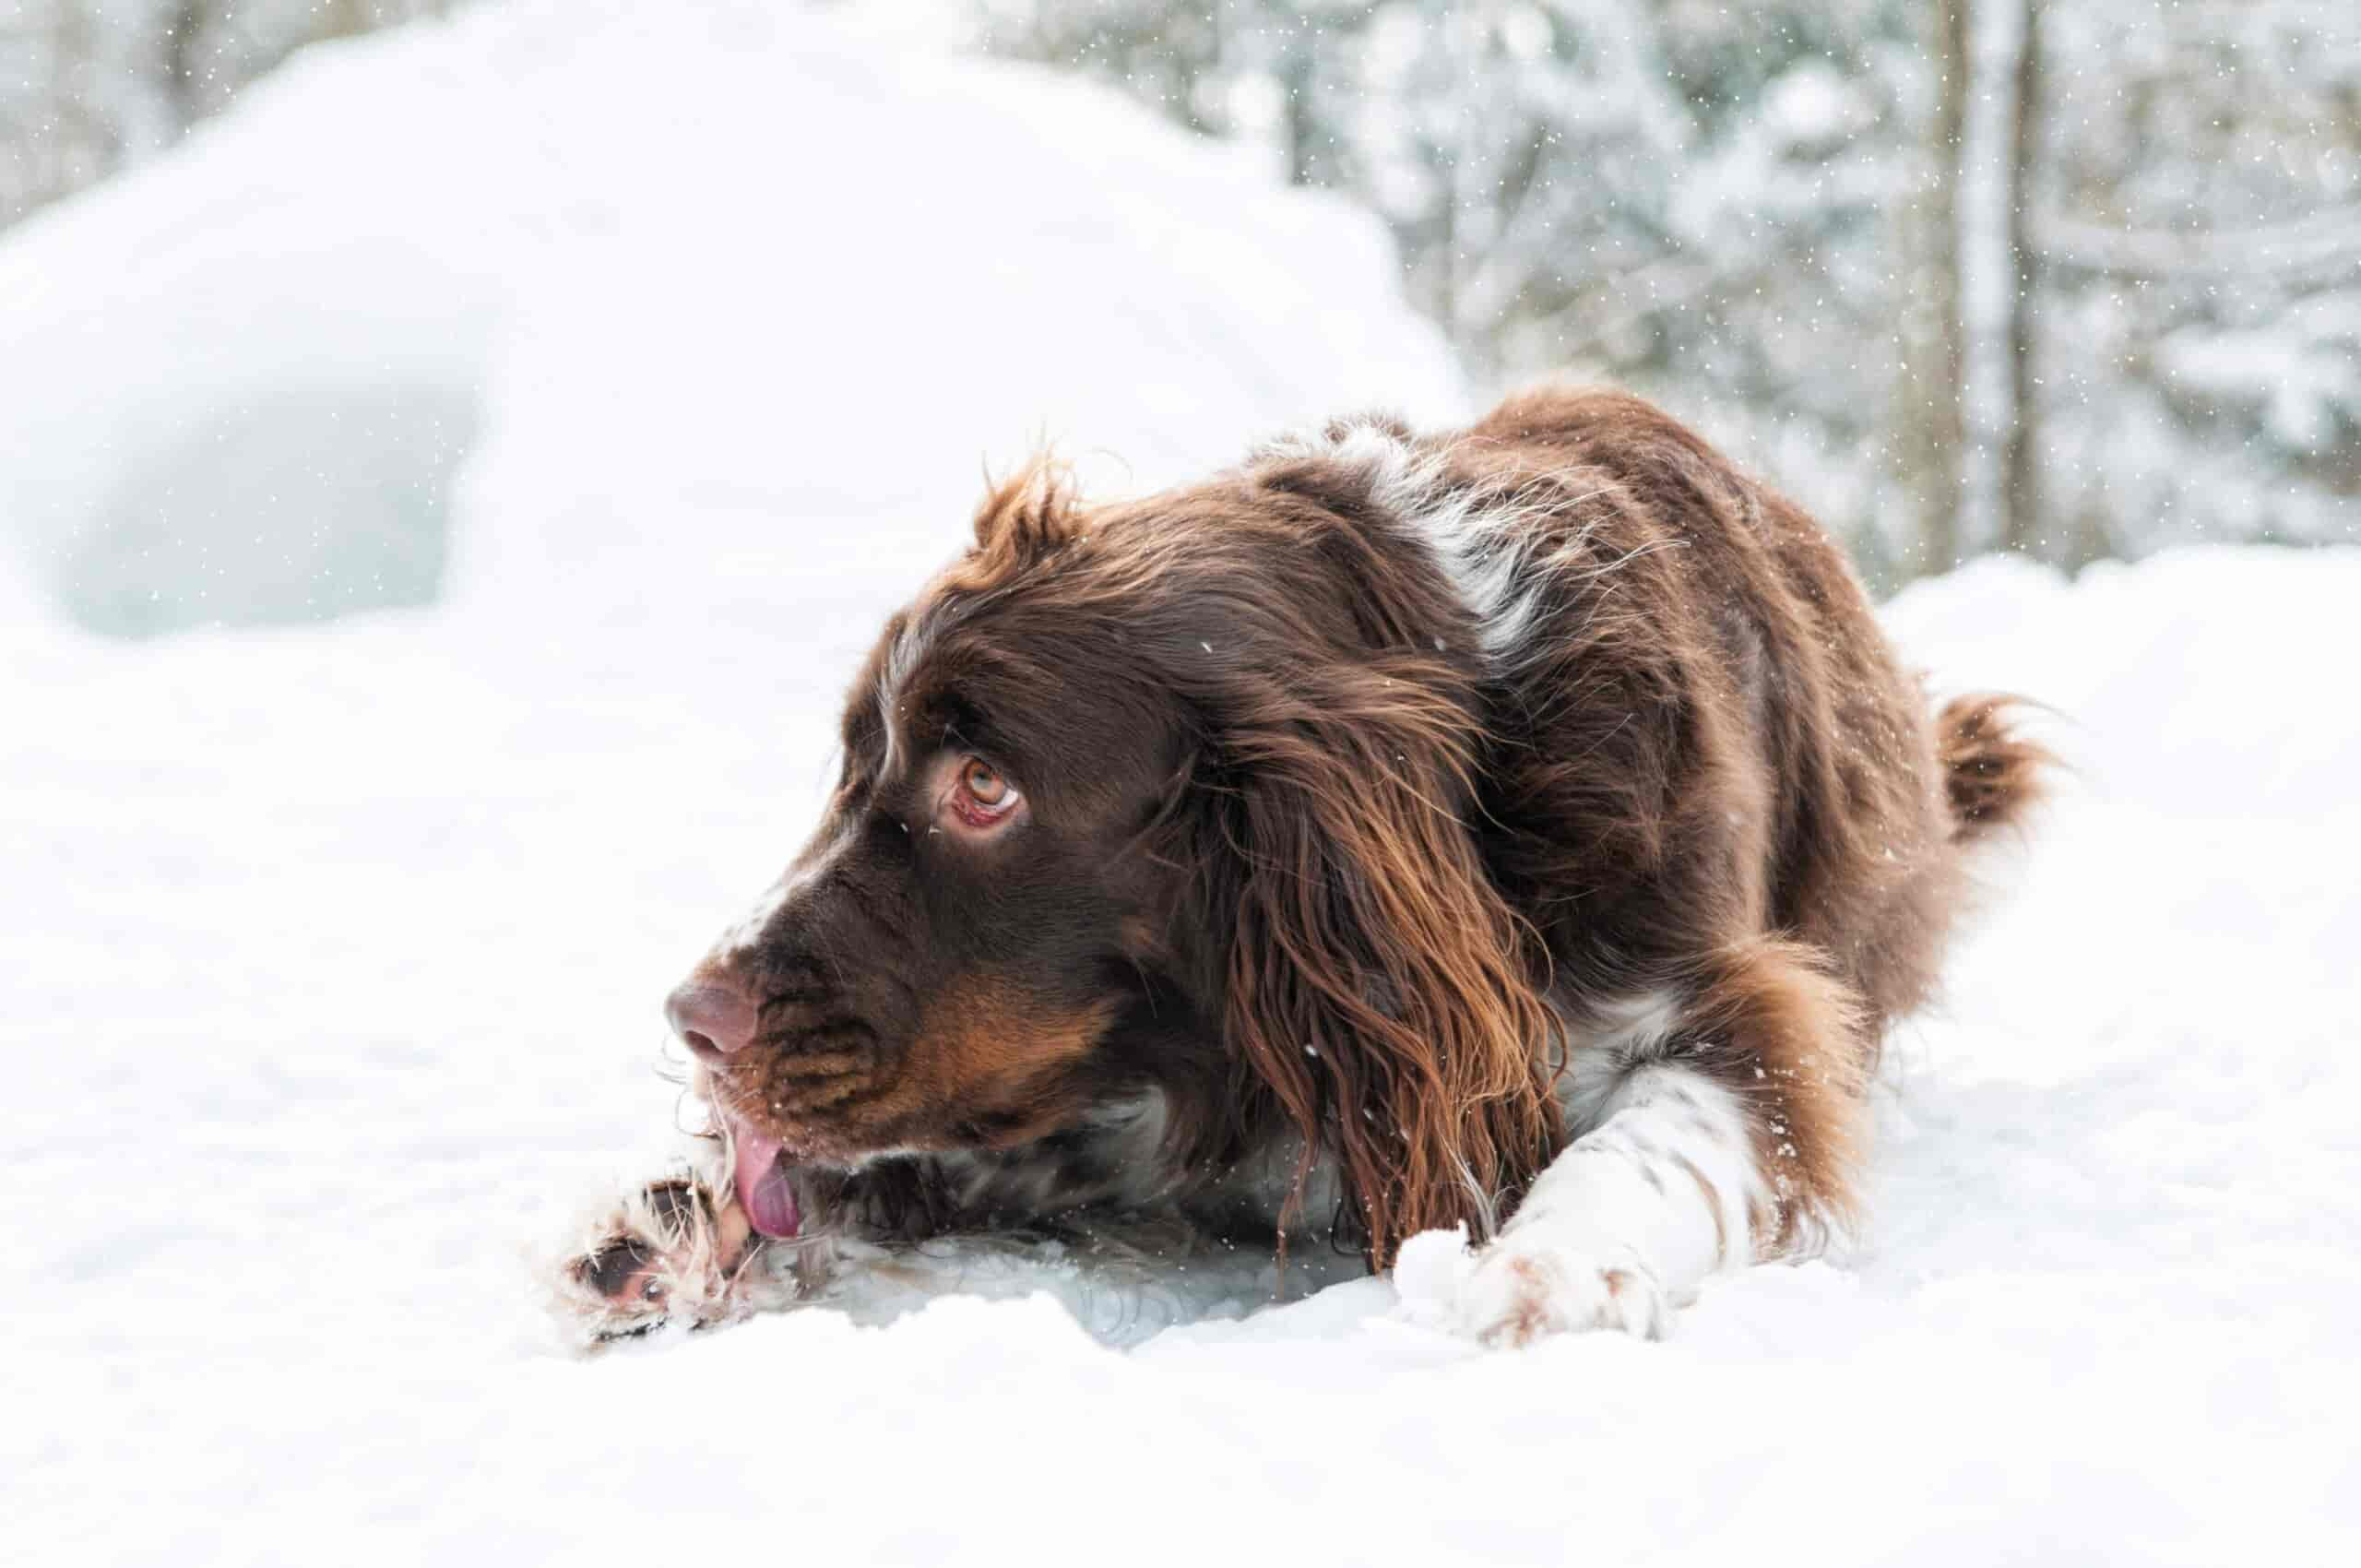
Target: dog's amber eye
{"x": 984, "y": 796}
{"x": 985, "y": 786}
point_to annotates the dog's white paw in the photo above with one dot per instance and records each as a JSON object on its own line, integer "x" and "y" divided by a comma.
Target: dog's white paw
{"x": 1521, "y": 1290}
{"x": 1518, "y": 1290}
{"x": 669, "y": 1253}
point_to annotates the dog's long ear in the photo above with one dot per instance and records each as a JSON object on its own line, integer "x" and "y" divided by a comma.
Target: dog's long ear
{"x": 1376, "y": 983}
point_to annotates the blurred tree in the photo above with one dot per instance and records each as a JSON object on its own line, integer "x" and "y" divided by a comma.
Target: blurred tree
{"x": 2023, "y": 519}
{"x": 87, "y": 85}
{"x": 2195, "y": 216}
{"x": 184, "y": 29}
{"x": 1930, "y": 403}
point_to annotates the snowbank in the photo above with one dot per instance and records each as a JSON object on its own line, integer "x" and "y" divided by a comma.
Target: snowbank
{"x": 332, "y": 962}
{"x": 333, "y": 951}
{"x": 683, "y": 280}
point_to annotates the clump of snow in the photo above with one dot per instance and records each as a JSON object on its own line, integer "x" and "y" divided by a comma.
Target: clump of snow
{"x": 1429, "y": 1274}
{"x": 1813, "y": 107}
{"x": 334, "y": 951}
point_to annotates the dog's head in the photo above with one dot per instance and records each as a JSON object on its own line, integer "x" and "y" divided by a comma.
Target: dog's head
{"x": 1165, "y": 798}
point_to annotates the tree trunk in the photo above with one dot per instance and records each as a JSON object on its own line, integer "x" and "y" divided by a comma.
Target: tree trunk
{"x": 2021, "y": 498}
{"x": 1931, "y": 420}
{"x": 1298, "y": 123}
{"x": 183, "y": 29}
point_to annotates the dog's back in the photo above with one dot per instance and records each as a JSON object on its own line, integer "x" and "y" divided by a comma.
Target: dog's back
{"x": 1701, "y": 734}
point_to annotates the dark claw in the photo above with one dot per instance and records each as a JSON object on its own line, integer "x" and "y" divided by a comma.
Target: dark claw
{"x": 636, "y": 1331}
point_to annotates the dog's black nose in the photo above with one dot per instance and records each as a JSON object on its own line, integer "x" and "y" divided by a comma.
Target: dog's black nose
{"x": 712, "y": 1018}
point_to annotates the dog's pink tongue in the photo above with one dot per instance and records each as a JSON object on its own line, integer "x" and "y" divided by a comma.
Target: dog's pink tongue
{"x": 764, "y": 1191}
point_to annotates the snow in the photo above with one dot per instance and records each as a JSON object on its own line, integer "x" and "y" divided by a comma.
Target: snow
{"x": 334, "y": 951}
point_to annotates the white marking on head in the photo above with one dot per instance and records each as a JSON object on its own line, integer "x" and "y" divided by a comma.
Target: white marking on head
{"x": 743, "y": 936}
{"x": 909, "y": 647}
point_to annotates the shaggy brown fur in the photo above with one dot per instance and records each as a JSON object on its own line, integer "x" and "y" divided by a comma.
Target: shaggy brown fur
{"x": 1360, "y": 786}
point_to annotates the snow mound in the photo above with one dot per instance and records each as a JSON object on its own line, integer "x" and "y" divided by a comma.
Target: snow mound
{"x": 572, "y": 295}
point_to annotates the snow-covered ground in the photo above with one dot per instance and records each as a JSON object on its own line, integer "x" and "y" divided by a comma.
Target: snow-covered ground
{"x": 332, "y": 953}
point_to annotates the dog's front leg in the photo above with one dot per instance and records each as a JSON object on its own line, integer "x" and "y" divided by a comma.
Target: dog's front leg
{"x": 1626, "y": 1223}
{"x": 1726, "y": 1135}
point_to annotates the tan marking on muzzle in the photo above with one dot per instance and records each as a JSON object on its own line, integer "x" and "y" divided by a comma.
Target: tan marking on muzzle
{"x": 984, "y": 1048}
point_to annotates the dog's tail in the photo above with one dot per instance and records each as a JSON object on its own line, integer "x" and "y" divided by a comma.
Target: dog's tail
{"x": 1992, "y": 775}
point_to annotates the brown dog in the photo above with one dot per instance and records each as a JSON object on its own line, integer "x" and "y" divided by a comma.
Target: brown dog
{"x": 1524, "y": 827}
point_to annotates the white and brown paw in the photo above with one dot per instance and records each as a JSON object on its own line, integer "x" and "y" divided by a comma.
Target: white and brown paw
{"x": 672, "y": 1253}
{"x": 1519, "y": 1290}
